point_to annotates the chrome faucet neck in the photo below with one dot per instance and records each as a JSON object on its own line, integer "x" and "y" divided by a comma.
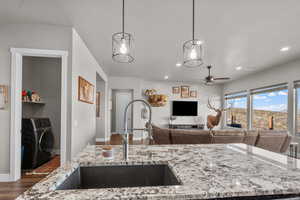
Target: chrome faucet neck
{"x": 126, "y": 133}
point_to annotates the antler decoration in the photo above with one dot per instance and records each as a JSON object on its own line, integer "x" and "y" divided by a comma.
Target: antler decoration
{"x": 212, "y": 120}
{"x": 210, "y": 106}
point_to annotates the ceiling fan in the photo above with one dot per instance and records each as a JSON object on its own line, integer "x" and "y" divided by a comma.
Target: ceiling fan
{"x": 209, "y": 80}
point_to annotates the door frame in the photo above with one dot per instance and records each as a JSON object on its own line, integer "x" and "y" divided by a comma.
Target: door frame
{"x": 16, "y": 104}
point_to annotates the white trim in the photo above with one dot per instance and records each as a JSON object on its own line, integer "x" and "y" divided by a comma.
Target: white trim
{"x": 16, "y": 104}
{"x": 102, "y": 139}
{"x": 5, "y": 178}
{"x": 39, "y": 52}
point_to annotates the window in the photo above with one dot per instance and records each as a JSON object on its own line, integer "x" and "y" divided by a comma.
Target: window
{"x": 236, "y": 115}
{"x": 297, "y": 104}
{"x": 270, "y": 108}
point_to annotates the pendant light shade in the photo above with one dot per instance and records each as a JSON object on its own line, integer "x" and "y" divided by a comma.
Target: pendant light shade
{"x": 193, "y": 49}
{"x": 121, "y": 44}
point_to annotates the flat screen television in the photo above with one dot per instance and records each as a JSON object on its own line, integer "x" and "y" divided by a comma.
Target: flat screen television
{"x": 184, "y": 108}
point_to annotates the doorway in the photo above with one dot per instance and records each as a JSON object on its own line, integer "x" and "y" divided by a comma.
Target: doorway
{"x": 41, "y": 115}
{"x": 120, "y": 99}
{"x": 18, "y": 60}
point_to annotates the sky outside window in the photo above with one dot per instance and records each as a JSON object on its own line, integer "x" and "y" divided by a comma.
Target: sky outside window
{"x": 270, "y": 110}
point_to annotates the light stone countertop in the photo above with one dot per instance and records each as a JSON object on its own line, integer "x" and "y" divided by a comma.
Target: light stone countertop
{"x": 206, "y": 171}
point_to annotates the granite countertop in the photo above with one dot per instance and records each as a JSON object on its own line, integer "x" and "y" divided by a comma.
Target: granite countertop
{"x": 206, "y": 171}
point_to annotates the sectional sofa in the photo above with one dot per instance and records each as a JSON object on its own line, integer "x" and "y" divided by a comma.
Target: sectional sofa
{"x": 276, "y": 141}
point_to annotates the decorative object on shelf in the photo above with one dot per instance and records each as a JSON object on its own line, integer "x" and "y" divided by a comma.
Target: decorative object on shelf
{"x": 85, "y": 91}
{"x": 209, "y": 80}
{"x": 193, "y": 93}
{"x": 98, "y": 95}
{"x": 30, "y": 96}
{"x": 156, "y": 100}
{"x": 3, "y": 96}
{"x": 185, "y": 91}
{"x": 121, "y": 43}
{"x": 212, "y": 120}
{"x": 26, "y": 95}
{"x": 149, "y": 92}
{"x": 35, "y": 97}
{"x": 193, "y": 49}
{"x": 176, "y": 90}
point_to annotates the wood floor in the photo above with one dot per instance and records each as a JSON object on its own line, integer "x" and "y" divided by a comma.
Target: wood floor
{"x": 11, "y": 190}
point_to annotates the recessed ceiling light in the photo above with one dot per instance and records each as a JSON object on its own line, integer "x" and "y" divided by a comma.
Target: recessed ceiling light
{"x": 166, "y": 77}
{"x": 239, "y": 68}
{"x": 178, "y": 64}
{"x": 283, "y": 49}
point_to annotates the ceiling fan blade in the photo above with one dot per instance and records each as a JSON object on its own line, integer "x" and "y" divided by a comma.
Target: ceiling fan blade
{"x": 224, "y": 78}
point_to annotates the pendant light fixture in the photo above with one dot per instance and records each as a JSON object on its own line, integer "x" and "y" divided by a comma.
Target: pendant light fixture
{"x": 121, "y": 43}
{"x": 193, "y": 49}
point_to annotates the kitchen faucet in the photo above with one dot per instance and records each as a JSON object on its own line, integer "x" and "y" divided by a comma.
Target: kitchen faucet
{"x": 126, "y": 134}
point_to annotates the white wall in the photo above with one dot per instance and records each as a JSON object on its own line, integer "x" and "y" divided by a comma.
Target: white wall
{"x": 278, "y": 74}
{"x": 125, "y": 83}
{"x": 43, "y": 75}
{"x": 83, "y": 114}
{"x": 24, "y": 36}
{"x": 161, "y": 114}
{"x": 38, "y": 36}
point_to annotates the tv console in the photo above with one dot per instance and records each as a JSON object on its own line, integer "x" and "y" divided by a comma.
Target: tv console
{"x": 186, "y": 126}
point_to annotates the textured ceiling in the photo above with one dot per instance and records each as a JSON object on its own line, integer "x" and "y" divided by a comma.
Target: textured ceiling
{"x": 247, "y": 33}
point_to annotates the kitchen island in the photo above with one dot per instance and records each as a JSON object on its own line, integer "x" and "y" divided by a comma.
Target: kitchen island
{"x": 204, "y": 171}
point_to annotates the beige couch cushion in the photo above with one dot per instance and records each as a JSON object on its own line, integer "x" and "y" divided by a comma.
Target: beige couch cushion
{"x": 190, "y": 136}
{"x": 250, "y": 137}
{"x": 161, "y": 135}
{"x": 228, "y": 136}
{"x": 271, "y": 140}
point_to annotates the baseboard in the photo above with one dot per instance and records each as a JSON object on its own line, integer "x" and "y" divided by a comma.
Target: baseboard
{"x": 101, "y": 139}
{"x": 56, "y": 151}
{"x": 5, "y": 178}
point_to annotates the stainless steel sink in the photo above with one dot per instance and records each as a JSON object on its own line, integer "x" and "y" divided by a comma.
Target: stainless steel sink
{"x": 119, "y": 176}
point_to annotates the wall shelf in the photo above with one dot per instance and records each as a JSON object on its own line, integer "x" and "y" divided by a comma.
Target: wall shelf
{"x": 32, "y": 102}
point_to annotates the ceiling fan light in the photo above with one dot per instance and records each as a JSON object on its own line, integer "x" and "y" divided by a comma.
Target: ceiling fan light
{"x": 209, "y": 83}
{"x": 121, "y": 44}
{"x": 192, "y": 53}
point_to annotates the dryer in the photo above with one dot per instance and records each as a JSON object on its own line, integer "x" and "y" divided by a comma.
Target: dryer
{"x": 37, "y": 142}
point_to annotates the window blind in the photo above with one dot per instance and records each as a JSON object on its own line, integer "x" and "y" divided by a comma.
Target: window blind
{"x": 272, "y": 88}
{"x": 297, "y": 84}
{"x": 236, "y": 95}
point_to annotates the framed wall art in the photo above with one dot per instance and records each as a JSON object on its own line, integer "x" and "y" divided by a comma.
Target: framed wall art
{"x": 85, "y": 91}
{"x": 193, "y": 93}
{"x": 3, "y": 96}
{"x": 98, "y": 95}
{"x": 176, "y": 90}
{"x": 185, "y": 91}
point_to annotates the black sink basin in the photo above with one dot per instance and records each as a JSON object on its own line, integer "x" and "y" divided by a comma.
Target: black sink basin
{"x": 119, "y": 176}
